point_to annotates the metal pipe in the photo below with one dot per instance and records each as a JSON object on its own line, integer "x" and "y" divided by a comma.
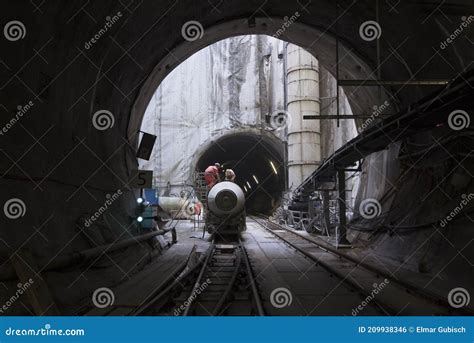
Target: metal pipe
{"x": 170, "y": 204}
{"x": 8, "y": 273}
{"x": 304, "y": 137}
{"x": 393, "y": 82}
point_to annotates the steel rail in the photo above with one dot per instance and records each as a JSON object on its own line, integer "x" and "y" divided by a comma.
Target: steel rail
{"x": 197, "y": 284}
{"x": 231, "y": 283}
{"x": 384, "y": 308}
{"x": 253, "y": 285}
{"x": 434, "y": 298}
{"x": 147, "y": 304}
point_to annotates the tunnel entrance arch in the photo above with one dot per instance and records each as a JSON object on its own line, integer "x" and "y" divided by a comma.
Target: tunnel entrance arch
{"x": 317, "y": 40}
{"x": 257, "y": 157}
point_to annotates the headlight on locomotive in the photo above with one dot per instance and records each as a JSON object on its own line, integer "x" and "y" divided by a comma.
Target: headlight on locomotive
{"x": 226, "y": 199}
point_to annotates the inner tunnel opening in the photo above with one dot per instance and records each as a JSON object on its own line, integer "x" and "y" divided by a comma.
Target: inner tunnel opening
{"x": 258, "y": 163}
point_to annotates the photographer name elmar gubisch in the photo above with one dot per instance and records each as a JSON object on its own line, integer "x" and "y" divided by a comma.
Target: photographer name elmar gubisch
{"x": 440, "y": 329}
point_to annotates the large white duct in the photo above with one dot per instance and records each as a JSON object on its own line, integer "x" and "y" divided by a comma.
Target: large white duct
{"x": 304, "y": 136}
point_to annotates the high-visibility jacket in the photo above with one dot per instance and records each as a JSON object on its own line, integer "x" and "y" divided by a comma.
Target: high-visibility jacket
{"x": 211, "y": 175}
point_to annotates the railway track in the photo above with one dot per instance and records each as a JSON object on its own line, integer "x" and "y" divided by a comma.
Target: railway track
{"x": 220, "y": 283}
{"x": 397, "y": 293}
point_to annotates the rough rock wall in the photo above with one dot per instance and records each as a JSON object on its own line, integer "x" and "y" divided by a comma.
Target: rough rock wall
{"x": 423, "y": 193}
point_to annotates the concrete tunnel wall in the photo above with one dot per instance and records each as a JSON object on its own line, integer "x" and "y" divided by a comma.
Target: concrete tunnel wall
{"x": 62, "y": 167}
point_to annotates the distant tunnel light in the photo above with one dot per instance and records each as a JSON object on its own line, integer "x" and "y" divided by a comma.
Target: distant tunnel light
{"x": 255, "y": 178}
{"x": 139, "y": 219}
{"x": 139, "y": 200}
{"x": 245, "y": 188}
{"x": 248, "y": 184}
{"x": 273, "y": 167}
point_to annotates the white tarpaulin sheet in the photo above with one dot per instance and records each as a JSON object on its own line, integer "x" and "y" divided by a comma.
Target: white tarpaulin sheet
{"x": 231, "y": 84}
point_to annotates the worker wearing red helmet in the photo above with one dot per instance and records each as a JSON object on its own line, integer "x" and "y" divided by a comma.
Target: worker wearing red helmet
{"x": 212, "y": 175}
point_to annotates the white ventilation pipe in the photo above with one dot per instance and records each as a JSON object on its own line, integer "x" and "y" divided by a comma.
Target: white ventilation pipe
{"x": 304, "y": 136}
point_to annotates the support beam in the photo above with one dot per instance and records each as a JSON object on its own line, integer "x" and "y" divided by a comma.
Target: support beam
{"x": 344, "y": 116}
{"x": 424, "y": 115}
{"x": 341, "y": 239}
{"x": 326, "y": 218}
{"x": 393, "y": 82}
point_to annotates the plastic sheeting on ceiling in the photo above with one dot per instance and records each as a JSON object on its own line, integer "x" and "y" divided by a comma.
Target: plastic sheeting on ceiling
{"x": 230, "y": 85}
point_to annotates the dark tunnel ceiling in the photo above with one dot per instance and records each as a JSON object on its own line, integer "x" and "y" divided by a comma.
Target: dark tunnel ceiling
{"x": 250, "y": 154}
